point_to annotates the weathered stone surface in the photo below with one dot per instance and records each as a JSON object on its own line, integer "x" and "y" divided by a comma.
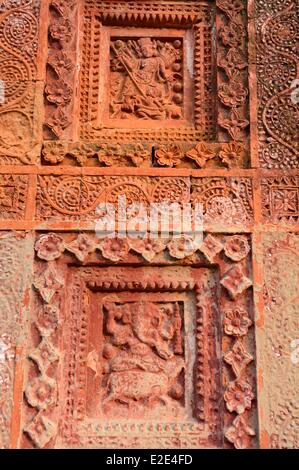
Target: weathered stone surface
{"x": 277, "y": 339}
{"x": 15, "y": 270}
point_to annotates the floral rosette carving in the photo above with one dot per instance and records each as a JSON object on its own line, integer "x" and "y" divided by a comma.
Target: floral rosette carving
{"x": 148, "y": 247}
{"x": 183, "y": 247}
{"x": 236, "y": 247}
{"x": 41, "y": 392}
{"x": 82, "y": 246}
{"x": 232, "y": 154}
{"x": 47, "y": 320}
{"x": 277, "y": 83}
{"x": 49, "y": 247}
{"x": 232, "y": 68}
{"x": 54, "y": 152}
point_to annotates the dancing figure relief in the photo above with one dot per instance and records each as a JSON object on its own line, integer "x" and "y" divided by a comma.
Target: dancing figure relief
{"x": 147, "y": 80}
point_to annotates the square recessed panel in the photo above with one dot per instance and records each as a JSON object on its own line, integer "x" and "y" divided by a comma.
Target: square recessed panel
{"x": 135, "y": 356}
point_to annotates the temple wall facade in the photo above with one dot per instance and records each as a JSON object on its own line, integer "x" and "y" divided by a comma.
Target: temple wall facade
{"x": 110, "y": 112}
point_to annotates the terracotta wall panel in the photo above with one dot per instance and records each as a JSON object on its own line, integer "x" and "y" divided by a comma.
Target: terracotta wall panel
{"x": 187, "y": 102}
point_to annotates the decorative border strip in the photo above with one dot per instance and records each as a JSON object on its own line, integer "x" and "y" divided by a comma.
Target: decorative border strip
{"x": 177, "y": 154}
{"x": 232, "y": 60}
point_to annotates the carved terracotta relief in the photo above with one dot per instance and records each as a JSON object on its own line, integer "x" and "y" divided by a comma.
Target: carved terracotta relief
{"x": 277, "y": 340}
{"x": 15, "y": 283}
{"x": 60, "y": 70}
{"x": 281, "y": 199}
{"x": 20, "y": 140}
{"x": 163, "y": 340}
{"x": 147, "y": 79}
{"x": 148, "y": 343}
{"x": 277, "y": 59}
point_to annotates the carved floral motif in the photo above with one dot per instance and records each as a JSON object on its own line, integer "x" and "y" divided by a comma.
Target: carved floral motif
{"x": 114, "y": 249}
{"x": 60, "y": 62}
{"x": 41, "y": 392}
{"x": 201, "y": 154}
{"x": 233, "y": 94}
{"x": 211, "y": 247}
{"x": 143, "y": 335}
{"x": 49, "y": 247}
{"x": 82, "y": 246}
{"x": 61, "y": 68}
{"x": 47, "y": 283}
{"x": 170, "y": 156}
{"x": 240, "y": 433}
{"x": 148, "y": 247}
{"x": 41, "y": 430}
{"x": 58, "y": 93}
{"x": 61, "y": 29}
{"x": 238, "y": 358}
{"x": 232, "y": 154}
{"x": 44, "y": 355}
{"x": 47, "y": 320}
{"x": 54, "y": 152}
{"x": 235, "y": 281}
{"x": 184, "y": 246}
{"x": 232, "y": 63}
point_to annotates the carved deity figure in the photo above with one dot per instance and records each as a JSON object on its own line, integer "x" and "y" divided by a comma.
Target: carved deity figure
{"x": 143, "y": 356}
{"x": 144, "y": 80}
